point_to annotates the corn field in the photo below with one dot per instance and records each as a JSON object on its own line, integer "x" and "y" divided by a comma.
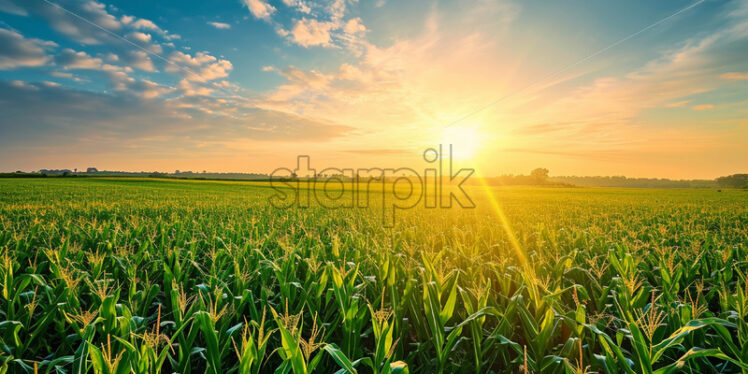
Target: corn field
{"x": 153, "y": 276}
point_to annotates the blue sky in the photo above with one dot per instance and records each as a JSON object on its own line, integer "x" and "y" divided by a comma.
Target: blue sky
{"x": 247, "y": 85}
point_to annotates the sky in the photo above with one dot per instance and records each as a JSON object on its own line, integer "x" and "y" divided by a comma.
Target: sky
{"x": 582, "y": 87}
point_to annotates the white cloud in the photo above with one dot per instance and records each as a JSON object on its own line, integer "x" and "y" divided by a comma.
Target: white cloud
{"x": 118, "y": 76}
{"x": 102, "y": 27}
{"x": 259, "y": 8}
{"x": 337, "y": 9}
{"x": 354, "y": 26}
{"x": 220, "y": 25}
{"x": 119, "y": 79}
{"x": 139, "y": 37}
{"x": 70, "y": 59}
{"x": 75, "y": 28}
{"x": 191, "y": 89}
{"x": 310, "y": 32}
{"x": 146, "y": 89}
{"x": 140, "y": 60}
{"x": 144, "y": 24}
{"x": 323, "y": 24}
{"x": 100, "y": 16}
{"x": 300, "y": 5}
{"x": 202, "y": 67}
{"x": 307, "y": 78}
{"x": 17, "y": 51}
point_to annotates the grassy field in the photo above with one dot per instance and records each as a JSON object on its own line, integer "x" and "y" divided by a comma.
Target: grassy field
{"x": 147, "y": 276}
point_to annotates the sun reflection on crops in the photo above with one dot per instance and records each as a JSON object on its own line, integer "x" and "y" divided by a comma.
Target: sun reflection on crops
{"x": 503, "y": 220}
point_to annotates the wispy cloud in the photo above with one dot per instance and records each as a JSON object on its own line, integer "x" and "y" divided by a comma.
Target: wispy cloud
{"x": 735, "y": 76}
{"x": 7, "y": 6}
{"x": 220, "y": 25}
{"x": 703, "y": 107}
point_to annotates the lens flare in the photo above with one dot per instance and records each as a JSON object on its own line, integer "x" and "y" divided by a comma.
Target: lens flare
{"x": 465, "y": 141}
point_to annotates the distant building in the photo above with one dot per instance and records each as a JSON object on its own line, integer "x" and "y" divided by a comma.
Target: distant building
{"x": 92, "y": 170}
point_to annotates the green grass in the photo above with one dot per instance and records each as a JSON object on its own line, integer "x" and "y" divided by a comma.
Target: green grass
{"x": 112, "y": 275}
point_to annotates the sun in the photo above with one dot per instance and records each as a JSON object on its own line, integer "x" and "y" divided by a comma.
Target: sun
{"x": 465, "y": 141}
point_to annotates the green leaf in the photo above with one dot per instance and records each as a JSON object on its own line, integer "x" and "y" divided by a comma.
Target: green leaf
{"x": 340, "y": 358}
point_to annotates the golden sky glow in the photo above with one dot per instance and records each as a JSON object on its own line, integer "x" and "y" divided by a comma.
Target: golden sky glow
{"x": 363, "y": 84}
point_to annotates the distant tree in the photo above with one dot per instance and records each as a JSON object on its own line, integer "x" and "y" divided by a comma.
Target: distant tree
{"x": 733, "y": 181}
{"x": 540, "y": 175}
{"x": 176, "y": 171}
{"x": 92, "y": 170}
